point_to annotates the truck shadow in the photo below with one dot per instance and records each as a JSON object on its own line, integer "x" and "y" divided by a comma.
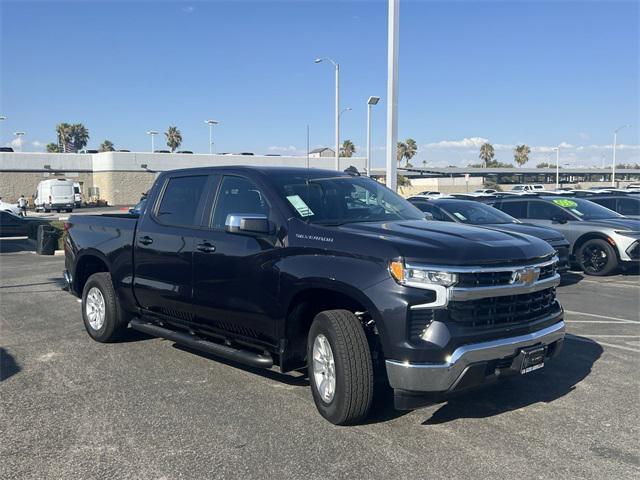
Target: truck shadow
{"x": 556, "y": 380}
{"x": 293, "y": 378}
{"x": 8, "y": 365}
{"x": 16, "y": 245}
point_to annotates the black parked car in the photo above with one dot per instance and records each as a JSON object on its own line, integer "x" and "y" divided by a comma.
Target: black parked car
{"x": 14, "y": 226}
{"x": 481, "y": 215}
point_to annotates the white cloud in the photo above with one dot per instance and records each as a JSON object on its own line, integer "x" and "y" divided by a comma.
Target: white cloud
{"x": 37, "y": 143}
{"x": 289, "y": 148}
{"x": 464, "y": 143}
{"x": 565, "y": 145}
{"x": 189, "y": 9}
{"x": 583, "y": 135}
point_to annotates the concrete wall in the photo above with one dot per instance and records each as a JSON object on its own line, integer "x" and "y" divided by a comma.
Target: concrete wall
{"x": 120, "y": 176}
{"x": 14, "y": 184}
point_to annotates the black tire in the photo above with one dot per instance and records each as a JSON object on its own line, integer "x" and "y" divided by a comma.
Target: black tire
{"x": 354, "y": 380}
{"x": 115, "y": 319}
{"x": 597, "y": 257}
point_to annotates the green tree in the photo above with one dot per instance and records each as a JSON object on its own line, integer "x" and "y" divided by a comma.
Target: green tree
{"x": 521, "y": 154}
{"x": 406, "y": 150}
{"x": 412, "y": 149}
{"x": 487, "y": 154}
{"x": 400, "y": 152}
{"x": 174, "y": 138}
{"x": 107, "y": 146}
{"x": 347, "y": 149}
{"x": 543, "y": 165}
{"x": 53, "y": 148}
{"x": 63, "y": 131}
{"x": 79, "y": 136}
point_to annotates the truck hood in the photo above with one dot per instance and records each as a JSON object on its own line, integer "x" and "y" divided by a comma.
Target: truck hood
{"x": 544, "y": 233}
{"x": 443, "y": 243}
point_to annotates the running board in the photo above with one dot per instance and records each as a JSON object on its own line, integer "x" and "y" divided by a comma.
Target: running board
{"x": 242, "y": 356}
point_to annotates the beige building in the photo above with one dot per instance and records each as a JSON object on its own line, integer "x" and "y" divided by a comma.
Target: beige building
{"x": 120, "y": 178}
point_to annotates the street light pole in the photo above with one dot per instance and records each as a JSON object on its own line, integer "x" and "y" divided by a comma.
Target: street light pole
{"x": 557, "y": 150}
{"x": 18, "y": 135}
{"x": 211, "y": 123}
{"x": 152, "y": 133}
{"x": 613, "y": 165}
{"x": 337, "y": 108}
{"x": 392, "y": 93}
{"x": 371, "y": 102}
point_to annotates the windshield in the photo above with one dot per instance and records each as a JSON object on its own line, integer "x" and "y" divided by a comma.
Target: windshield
{"x": 475, "y": 213}
{"x": 584, "y": 209}
{"x": 339, "y": 200}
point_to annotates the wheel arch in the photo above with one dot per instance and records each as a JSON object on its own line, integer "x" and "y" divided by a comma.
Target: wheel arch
{"x": 304, "y": 304}
{"x": 90, "y": 262}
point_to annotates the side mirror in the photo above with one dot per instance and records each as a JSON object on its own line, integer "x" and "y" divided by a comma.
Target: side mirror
{"x": 251, "y": 223}
{"x": 428, "y": 216}
{"x": 558, "y": 219}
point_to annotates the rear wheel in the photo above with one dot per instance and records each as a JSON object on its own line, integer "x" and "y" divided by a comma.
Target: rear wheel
{"x": 597, "y": 257}
{"x": 340, "y": 367}
{"x": 103, "y": 318}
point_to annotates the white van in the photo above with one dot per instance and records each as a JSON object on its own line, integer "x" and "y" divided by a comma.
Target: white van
{"x": 77, "y": 194}
{"x": 56, "y": 194}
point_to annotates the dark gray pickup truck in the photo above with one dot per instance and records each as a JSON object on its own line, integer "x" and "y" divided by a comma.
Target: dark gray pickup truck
{"x": 324, "y": 272}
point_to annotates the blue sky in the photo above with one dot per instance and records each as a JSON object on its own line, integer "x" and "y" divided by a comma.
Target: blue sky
{"x": 541, "y": 73}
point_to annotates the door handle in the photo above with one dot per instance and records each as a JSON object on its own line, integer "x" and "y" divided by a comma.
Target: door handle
{"x": 206, "y": 247}
{"x": 146, "y": 240}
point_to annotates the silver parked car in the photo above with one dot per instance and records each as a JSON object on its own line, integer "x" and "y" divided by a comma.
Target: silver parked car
{"x": 601, "y": 240}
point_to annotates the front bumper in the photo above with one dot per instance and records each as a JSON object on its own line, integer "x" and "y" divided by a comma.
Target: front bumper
{"x": 458, "y": 368}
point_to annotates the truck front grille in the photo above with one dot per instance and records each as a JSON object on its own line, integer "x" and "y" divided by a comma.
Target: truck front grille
{"x": 488, "y": 312}
{"x": 492, "y": 279}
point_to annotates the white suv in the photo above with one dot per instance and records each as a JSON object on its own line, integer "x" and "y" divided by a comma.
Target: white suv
{"x": 529, "y": 187}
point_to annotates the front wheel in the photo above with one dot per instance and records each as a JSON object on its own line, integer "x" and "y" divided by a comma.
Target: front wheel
{"x": 340, "y": 367}
{"x": 103, "y": 318}
{"x": 597, "y": 257}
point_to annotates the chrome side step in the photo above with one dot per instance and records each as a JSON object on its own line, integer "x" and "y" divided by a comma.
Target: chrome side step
{"x": 242, "y": 356}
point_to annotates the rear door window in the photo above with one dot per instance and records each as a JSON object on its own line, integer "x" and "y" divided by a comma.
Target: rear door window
{"x": 515, "y": 209}
{"x": 181, "y": 200}
{"x": 628, "y": 206}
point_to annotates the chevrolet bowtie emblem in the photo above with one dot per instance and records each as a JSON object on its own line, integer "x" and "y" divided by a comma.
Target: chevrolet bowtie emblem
{"x": 526, "y": 276}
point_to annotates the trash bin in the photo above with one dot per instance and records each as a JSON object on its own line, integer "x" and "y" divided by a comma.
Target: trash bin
{"x": 47, "y": 240}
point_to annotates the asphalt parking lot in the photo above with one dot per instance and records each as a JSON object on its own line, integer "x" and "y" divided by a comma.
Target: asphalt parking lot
{"x": 145, "y": 408}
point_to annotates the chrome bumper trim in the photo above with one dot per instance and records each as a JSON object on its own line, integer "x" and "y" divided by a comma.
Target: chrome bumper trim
{"x": 504, "y": 290}
{"x": 441, "y": 377}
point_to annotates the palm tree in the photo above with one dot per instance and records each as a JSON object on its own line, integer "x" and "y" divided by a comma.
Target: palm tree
{"x": 486, "y": 154}
{"x": 107, "y": 146}
{"x": 79, "y": 136}
{"x": 348, "y": 149}
{"x": 412, "y": 149}
{"x": 63, "y": 130}
{"x": 174, "y": 138}
{"x": 401, "y": 152}
{"x": 53, "y": 148}
{"x": 521, "y": 154}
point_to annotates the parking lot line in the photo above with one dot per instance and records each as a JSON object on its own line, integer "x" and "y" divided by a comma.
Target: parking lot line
{"x": 612, "y": 345}
{"x": 622, "y": 320}
{"x": 614, "y": 284}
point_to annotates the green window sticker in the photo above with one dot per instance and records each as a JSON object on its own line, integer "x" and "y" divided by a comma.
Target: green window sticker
{"x": 565, "y": 203}
{"x": 302, "y": 208}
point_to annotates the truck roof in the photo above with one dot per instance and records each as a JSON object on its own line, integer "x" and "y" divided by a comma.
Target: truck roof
{"x": 263, "y": 169}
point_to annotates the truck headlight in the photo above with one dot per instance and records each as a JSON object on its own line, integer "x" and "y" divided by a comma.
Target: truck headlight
{"x": 420, "y": 277}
